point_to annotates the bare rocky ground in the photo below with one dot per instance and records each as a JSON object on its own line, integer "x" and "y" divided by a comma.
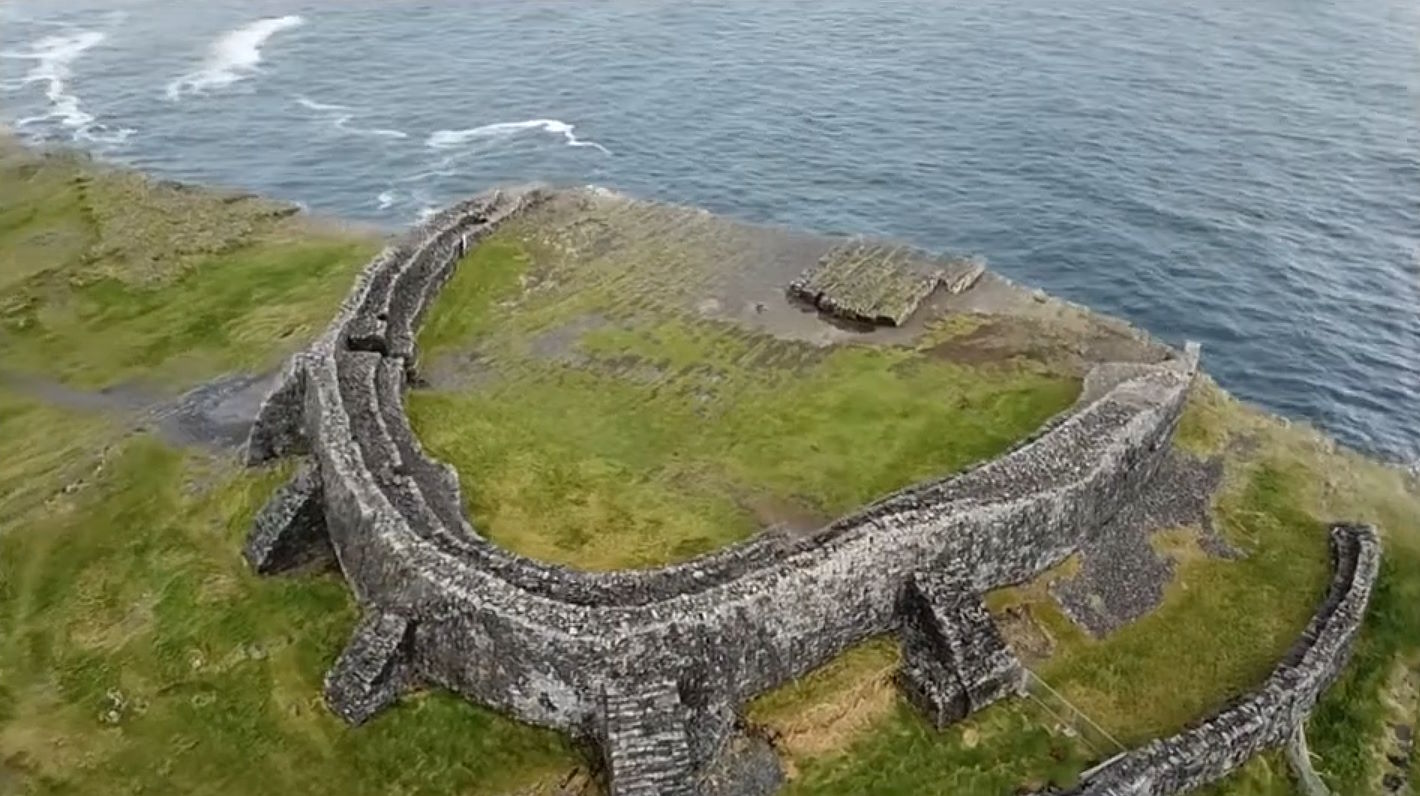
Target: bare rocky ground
{"x": 1122, "y": 576}
{"x": 215, "y": 415}
{"x": 723, "y": 269}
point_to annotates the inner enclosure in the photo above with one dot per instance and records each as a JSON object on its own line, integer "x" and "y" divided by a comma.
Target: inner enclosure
{"x": 623, "y": 385}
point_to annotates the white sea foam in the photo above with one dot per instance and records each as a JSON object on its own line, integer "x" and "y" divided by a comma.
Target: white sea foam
{"x": 605, "y": 192}
{"x": 386, "y": 199}
{"x": 310, "y": 104}
{"x": 374, "y": 132}
{"x": 340, "y": 116}
{"x": 449, "y": 139}
{"x": 233, "y": 57}
{"x": 54, "y": 58}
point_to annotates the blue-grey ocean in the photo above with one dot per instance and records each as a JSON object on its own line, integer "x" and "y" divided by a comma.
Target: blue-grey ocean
{"x": 1245, "y": 173}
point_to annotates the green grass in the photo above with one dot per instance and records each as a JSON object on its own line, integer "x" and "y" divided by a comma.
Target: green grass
{"x": 80, "y": 304}
{"x": 137, "y": 652}
{"x": 996, "y": 751}
{"x": 598, "y": 426}
{"x": 227, "y": 315}
{"x": 140, "y": 655}
{"x": 651, "y": 437}
{"x": 1222, "y": 627}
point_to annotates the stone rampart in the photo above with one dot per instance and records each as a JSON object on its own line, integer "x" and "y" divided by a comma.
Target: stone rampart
{"x": 554, "y": 646}
{"x": 1267, "y": 717}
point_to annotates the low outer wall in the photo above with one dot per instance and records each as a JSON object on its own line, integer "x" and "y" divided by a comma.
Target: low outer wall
{"x": 1267, "y": 717}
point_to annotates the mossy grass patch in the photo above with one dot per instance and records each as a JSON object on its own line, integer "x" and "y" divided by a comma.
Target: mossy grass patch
{"x": 610, "y": 428}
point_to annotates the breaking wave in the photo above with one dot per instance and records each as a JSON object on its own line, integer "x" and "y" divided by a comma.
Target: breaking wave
{"x": 449, "y": 139}
{"x": 233, "y": 57}
{"x": 54, "y": 58}
{"x": 340, "y": 116}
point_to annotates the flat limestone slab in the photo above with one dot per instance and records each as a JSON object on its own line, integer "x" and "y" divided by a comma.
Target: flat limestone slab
{"x": 878, "y": 283}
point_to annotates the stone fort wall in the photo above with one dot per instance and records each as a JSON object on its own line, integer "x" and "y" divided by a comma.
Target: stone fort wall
{"x": 652, "y": 665}
{"x": 1267, "y": 717}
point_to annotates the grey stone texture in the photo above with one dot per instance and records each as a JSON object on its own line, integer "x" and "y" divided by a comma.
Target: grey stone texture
{"x": 1299, "y": 759}
{"x": 279, "y": 427}
{"x": 876, "y": 283}
{"x": 1267, "y": 717}
{"x": 1121, "y": 576}
{"x": 373, "y": 670}
{"x": 652, "y": 665}
{"x": 644, "y": 736}
{"x": 289, "y": 531}
{"x": 955, "y": 660}
{"x": 747, "y": 764}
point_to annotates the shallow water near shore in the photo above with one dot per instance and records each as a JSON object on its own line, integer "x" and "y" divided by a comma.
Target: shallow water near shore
{"x": 1246, "y": 175}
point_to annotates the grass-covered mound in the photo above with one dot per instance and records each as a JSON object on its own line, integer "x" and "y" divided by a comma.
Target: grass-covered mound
{"x": 138, "y": 654}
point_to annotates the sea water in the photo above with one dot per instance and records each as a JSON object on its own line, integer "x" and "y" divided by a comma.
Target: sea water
{"x": 1245, "y": 174}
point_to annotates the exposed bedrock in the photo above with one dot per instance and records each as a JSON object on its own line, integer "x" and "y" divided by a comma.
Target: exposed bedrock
{"x": 1122, "y": 576}
{"x": 653, "y": 665}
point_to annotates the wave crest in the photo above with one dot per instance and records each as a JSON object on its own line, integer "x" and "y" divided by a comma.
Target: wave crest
{"x": 449, "y": 139}
{"x": 340, "y": 116}
{"x": 54, "y": 58}
{"x": 233, "y": 57}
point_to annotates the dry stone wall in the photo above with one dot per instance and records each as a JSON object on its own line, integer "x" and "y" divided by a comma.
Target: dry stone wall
{"x": 1265, "y": 718}
{"x": 650, "y": 665}
{"x": 954, "y": 659}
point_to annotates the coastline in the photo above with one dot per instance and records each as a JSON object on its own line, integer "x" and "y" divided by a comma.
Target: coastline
{"x": 1264, "y": 456}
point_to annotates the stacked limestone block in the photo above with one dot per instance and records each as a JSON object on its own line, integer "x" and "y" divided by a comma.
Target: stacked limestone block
{"x": 874, "y": 283}
{"x": 1268, "y": 717}
{"x": 955, "y": 660}
{"x": 289, "y": 532}
{"x": 644, "y": 736}
{"x": 373, "y": 670}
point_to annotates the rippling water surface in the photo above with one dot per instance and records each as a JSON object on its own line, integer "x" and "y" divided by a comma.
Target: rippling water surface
{"x": 1241, "y": 172}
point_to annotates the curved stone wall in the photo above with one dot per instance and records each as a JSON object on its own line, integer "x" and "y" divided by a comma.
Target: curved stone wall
{"x": 1267, "y": 717}
{"x": 651, "y": 664}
